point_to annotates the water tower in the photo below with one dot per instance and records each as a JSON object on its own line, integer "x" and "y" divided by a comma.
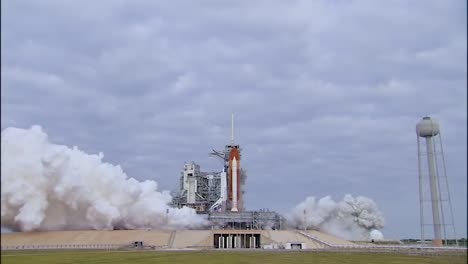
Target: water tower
{"x": 433, "y": 179}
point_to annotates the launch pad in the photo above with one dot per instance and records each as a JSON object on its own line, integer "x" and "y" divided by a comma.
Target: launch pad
{"x": 220, "y": 194}
{"x": 170, "y": 239}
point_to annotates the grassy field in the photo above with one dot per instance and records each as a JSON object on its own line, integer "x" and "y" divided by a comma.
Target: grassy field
{"x": 211, "y": 257}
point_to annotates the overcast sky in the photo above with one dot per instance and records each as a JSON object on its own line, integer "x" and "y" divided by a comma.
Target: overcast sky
{"x": 326, "y": 93}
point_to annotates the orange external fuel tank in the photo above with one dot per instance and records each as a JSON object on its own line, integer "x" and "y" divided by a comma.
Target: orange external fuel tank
{"x": 234, "y": 182}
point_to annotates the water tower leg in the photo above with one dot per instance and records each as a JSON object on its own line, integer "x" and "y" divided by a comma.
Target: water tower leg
{"x": 437, "y": 242}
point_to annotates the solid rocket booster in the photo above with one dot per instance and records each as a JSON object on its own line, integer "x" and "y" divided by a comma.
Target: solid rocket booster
{"x": 223, "y": 186}
{"x": 234, "y": 185}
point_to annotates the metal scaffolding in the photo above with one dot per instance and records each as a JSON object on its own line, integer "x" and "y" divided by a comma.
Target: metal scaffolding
{"x": 246, "y": 220}
{"x": 206, "y": 191}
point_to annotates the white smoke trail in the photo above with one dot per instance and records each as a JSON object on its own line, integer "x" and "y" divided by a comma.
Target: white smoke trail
{"x": 352, "y": 218}
{"x": 53, "y": 187}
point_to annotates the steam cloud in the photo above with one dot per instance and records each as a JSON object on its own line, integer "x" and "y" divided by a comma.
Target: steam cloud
{"x": 53, "y": 187}
{"x": 352, "y": 218}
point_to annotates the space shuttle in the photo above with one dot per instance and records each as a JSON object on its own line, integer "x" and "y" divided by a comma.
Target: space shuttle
{"x": 234, "y": 174}
{"x": 231, "y": 177}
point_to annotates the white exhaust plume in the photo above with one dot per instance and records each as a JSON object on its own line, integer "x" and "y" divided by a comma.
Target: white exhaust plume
{"x": 53, "y": 187}
{"x": 352, "y": 218}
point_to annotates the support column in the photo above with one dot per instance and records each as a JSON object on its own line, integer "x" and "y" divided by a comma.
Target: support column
{"x": 433, "y": 181}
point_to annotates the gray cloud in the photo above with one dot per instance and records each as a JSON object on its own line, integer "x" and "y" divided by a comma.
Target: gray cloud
{"x": 326, "y": 93}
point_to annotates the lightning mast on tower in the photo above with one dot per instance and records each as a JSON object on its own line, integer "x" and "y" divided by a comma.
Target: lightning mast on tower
{"x": 232, "y": 129}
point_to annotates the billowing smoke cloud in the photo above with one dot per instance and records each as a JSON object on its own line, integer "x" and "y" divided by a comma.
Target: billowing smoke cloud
{"x": 53, "y": 187}
{"x": 352, "y": 218}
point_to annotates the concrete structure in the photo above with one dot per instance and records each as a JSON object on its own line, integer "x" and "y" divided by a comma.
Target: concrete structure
{"x": 163, "y": 239}
{"x": 429, "y": 129}
{"x": 118, "y": 238}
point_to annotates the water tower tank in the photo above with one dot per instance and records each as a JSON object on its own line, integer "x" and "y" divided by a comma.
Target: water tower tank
{"x": 427, "y": 127}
